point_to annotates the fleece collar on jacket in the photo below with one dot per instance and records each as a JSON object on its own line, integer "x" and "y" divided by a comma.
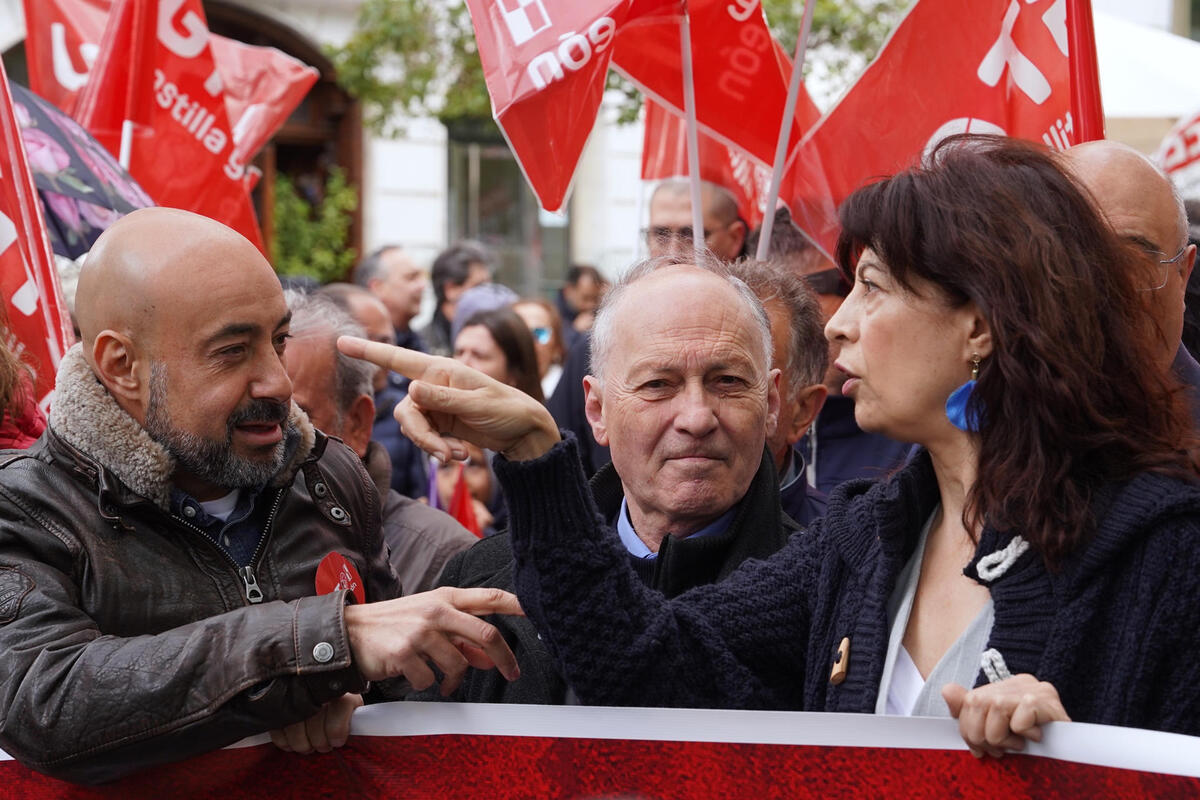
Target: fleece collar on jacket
{"x": 89, "y": 419}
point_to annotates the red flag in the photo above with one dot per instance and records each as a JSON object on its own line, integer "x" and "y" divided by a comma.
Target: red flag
{"x": 262, "y": 85}
{"x": 741, "y": 72}
{"x": 462, "y": 508}
{"x": 990, "y": 66}
{"x": 156, "y": 70}
{"x": 61, "y": 42}
{"x": 664, "y": 155}
{"x": 262, "y": 88}
{"x": 38, "y": 325}
{"x": 545, "y": 64}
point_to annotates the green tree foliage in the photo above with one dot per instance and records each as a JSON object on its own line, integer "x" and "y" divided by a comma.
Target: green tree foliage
{"x": 311, "y": 240}
{"x": 418, "y": 57}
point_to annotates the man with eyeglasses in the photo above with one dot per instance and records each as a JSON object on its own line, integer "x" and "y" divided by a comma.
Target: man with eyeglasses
{"x": 670, "y": 228}
{"x": 1143, "y": 207}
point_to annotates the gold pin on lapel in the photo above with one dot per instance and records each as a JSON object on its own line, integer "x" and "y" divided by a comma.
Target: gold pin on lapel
{"x": 838, "y": 674}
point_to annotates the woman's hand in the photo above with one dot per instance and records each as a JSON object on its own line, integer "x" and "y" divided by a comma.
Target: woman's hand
{"x": 448, "y": 401}
{"x": 1002, "y": 715}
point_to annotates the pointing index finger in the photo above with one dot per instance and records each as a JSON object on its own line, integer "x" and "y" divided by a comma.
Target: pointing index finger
{"x": 409, "y": 363}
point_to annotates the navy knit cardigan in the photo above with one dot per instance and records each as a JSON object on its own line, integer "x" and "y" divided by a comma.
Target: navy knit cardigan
{"x": 1116, "y": 629}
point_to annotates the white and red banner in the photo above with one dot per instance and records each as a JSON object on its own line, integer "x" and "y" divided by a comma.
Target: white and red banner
{"x": 1023, "y": 68}
{"x": 444, "y": 750}
{"x": 39, "y": 328}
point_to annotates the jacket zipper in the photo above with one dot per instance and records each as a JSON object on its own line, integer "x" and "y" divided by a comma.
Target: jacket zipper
{"x": 253, "y": 593}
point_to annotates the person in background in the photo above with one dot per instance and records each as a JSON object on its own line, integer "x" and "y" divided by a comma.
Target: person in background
{"x": 835, "y": 449}
{"x": 409, "y": 473}
{"x": 800, "y": 354}
{"x": 456, "y": 269}
{"x": 1142, "y": 206}
{"x": 390, "y": 274}
{"x": 21, "y": 420}
{"x": 484, "y": 297}
{"x": 498, "y": 344}
{"x": 577, "y": 300}
{"x": 543, "y": 322}
{"x": 1037, "y": 560}
{"x": 336, "y": 393}
{"x": 1191, "y": 310}
{"x": 670, "y": 225}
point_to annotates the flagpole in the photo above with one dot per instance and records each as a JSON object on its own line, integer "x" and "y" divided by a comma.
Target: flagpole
{"x": 1085, "y": 78}
{"x": 785, "y": 132}
{"x": 693, "y": 137}
{"x": 126, "y": 144}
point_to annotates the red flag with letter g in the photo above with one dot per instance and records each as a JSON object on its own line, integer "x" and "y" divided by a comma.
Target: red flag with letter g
{"x": 156, "y": 70}
{"x": 38, "y": 326}
{"x": 988, "y": 66}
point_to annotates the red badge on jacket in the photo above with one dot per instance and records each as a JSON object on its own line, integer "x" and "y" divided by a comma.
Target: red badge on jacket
{"x": 335, "y": 572}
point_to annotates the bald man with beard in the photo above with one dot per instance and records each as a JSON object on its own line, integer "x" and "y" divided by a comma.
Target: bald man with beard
{"x": 160, "y": 590}
{"x": 1142, "y": 206}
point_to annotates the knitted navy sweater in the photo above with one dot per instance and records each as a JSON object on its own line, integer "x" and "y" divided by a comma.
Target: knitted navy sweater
{"x": 1116, "y": 629}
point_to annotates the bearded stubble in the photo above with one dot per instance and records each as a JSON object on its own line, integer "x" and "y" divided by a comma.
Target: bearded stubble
{"x": 212, "y": 461}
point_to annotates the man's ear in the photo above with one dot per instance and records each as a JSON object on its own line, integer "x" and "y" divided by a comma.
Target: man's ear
{"x": 357, "y": 424}
{"x": 593, "y": 407}
{"x": 774, "y": 382}
{"x": 118, "y": 366}
{"x": 737, "y": 229}
{"x": 809, "y": 402}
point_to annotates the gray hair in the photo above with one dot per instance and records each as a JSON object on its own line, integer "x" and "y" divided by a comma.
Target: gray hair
{"x": 371, "y": 267}
{"x": 807, "y": 350}
{"x": 602, "y": 329}
{"x": 318, "y": 316}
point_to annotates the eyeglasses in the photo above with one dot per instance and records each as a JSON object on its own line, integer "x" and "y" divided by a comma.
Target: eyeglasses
{"x": 828, "y": 281}
{"x": 658, "y": 233}
{"x": 541, "y": 334}
{"x": 1164, "y": 261}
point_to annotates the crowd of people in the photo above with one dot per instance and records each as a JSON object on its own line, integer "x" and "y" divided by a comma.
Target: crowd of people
{"x": 953, "y": 472}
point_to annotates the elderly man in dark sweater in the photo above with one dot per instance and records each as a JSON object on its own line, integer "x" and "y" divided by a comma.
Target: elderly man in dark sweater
{"x": 684, "y": 396}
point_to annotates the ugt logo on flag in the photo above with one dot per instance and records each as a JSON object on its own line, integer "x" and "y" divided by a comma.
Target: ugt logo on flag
{"x": 524, "y": 18}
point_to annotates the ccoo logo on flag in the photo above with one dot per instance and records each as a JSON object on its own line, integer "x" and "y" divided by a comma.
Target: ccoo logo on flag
{"x": 524, "y": 18}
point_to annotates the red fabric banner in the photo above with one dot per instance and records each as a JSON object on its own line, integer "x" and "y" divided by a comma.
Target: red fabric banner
{"x": 664, "y": 155}
{"x": 444, "y": 758}
{"x": 61, "y": 42}
{"x": 38, "y": 325}
{"x": 545, "y": 63}
{"x": 157, "y": 67}
{"x": 991, "y": 66}
{"x": 262, "y": 85}
{"x": 461, "y": 506}
{"x": 741, "y": 73}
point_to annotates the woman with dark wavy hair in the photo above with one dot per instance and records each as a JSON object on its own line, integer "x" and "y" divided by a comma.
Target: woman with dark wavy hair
{"x": 1037, "y": 560}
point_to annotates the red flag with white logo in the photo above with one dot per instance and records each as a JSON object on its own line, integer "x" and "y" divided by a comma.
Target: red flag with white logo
{"x": 741, "y": 72}
{"x": 989, "y": 66}
{"x": 545, "y": 63}
{"x": 155, "y": 73}
{"x": 38, "y": 326}
{"x": 262, "y": 85}
{"x": 61, "y": 42}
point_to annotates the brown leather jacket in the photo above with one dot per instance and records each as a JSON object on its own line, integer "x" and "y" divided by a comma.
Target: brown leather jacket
{"x": 128, "y": 637}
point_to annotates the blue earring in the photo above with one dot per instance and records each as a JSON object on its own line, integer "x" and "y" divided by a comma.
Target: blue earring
{"x": 957, "y": 411}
